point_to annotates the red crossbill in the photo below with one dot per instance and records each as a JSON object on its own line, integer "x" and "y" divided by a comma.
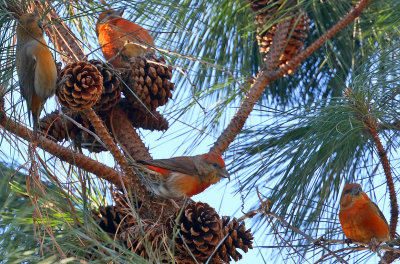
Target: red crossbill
{"x": 361, "y": 219}
{"x": 190, "y": 175}
{"x": 35, "y": 65}
{"x": 119, "y": 37}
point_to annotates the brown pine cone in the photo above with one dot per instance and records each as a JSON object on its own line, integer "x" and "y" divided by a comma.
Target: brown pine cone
{"x": 109, "y": 218}
{"x": 59, "y": 128}
{"x": 79, "y": 86}
{"x": 269, "y": 6}
{"x": 297, "y": 33}
{"x": 148, "y": 82}
{"x": 112, "y": 86}
{"x": 296, "y": 39}
{"x": 83, "y": 138}
{"x": 143, "y": 118}
{"x": 236, "y": 237}
{"x": 200, "y": 232}
{"x": 147, "y": 237}
{"x": 56, "y": 126}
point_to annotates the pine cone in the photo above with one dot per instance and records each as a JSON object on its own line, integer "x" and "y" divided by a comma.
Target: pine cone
{"x": 148, "y": 79}
{"x": 112, "y": 87}
{"x": 84, "y": 139}
{"x": 143, "y": 118}
{"x": 140, "y": 240}
{"x": 200, "y": 229}
{"x": 259, "y": 6}
{"x": 109, "y": 218}
{"x": 113, "y": 219}
{"x": 60, "y": 129}
{"x": 236, "y": 237}
{"x": 79, "y": 86}
{"x": 297, "y": 34}
{"x": 56, "y": 126}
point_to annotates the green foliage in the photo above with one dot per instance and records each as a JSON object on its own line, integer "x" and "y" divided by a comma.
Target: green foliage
{"x": 302, "y": 157}
{"x": 46, "y": 229}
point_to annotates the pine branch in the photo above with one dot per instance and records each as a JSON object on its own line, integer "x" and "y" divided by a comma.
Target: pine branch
{"x": 265, "y": 77}
{"x": 394, "y": 210}
{"x": 119, "y": 157}
{"x": 100, "y": 170}
{"x": 126, "y": 136}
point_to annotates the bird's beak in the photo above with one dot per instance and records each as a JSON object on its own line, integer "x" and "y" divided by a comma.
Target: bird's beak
{"x": 225, "y": 174}
{"x": 356, "y": 190}
{"x": 120, "y": 11}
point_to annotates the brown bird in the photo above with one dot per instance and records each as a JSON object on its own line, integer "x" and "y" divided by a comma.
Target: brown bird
{"x": 121, "y": 39}
{"x": 361, "y": 219}
{"x": 188, "y": 175}
{"x": 35, "y": 65}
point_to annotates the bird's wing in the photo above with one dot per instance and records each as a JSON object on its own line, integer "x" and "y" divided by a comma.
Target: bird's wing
{"x": 180, "y": 164}
{"x": 27, "y": 76}
{"x": 378, "y": 211}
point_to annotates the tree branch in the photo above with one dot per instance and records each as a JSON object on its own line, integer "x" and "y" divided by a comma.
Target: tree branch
{"x": 100, "y": 170}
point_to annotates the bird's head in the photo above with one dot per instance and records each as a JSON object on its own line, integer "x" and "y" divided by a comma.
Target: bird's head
{"x": 29, "y": 25}
{"x": 350, "y": 193}
{"x": 213, "y": 166}
{"x": 108, "y": 16}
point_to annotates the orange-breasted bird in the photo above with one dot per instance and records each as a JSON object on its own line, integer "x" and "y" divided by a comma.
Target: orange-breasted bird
{"x": 35, "y": 65}
{"x": 119, "y": 37}
{"x": 361, "y": 219}
{"x": 190, "y": 175}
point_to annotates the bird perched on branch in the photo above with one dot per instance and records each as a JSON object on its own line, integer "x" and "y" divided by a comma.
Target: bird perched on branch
{"x": 361, "y": 219}
{"x": 35, "y": 65}
{"x": 179, "y": 176}
{"x": 121, "y": 39}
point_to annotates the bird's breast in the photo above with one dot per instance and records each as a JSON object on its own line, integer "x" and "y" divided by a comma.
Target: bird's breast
{"x": 45, "y": 73}
{"x": 360, "y": 223}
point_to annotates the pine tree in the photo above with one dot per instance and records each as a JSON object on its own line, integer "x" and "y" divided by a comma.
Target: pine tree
{"x": 301, "y": 97}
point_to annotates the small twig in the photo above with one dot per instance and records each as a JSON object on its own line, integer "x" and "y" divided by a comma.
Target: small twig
{"x": 337, "y": 251}
{"x": 79, "y": 125}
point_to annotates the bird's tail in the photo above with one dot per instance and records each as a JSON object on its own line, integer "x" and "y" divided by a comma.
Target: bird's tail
{"x": 35, "y": 117}
{"x": 36, "y": 108}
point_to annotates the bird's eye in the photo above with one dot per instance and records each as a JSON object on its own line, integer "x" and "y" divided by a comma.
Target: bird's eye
{"x": 40, "y": 25}
{"x": 215, "y": 165}
{"x": 347, "y": 191}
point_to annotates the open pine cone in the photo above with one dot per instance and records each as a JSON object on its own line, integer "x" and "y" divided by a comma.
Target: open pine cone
{"x": 142, "y": 239}
{"x": 200, "y": 232}
{"x": 59, "y": 128}
{"x": 56, "y": 126}
{"x": 143, "y": 118}
{"x": 297, "y": 33}
{"x": 109, "y": 218}
{"x": 79, "y": 86}
{"x": 148, "y": 79}
{"x": 236, "y": 237}
{"x": 112, "y": 86}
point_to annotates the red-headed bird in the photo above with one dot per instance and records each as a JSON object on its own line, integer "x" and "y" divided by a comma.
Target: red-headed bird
{"x": 119, "y": 37}
{"x": 188, "y": 175}
{"x": 35, "y": 65}
{"x": 361, "y": 219}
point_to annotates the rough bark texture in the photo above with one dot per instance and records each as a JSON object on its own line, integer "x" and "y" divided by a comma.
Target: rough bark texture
{"x": 126, "y": 135}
